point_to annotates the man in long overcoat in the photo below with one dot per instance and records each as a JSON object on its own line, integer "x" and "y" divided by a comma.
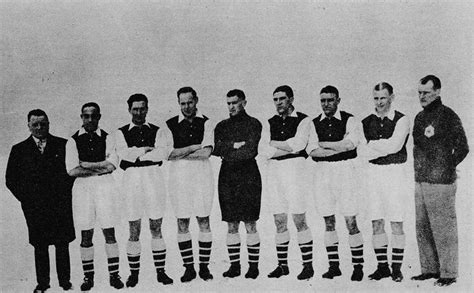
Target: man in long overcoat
{"x": 36, "y": 175}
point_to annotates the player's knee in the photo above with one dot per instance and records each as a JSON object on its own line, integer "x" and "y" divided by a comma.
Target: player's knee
{"x": 300, "y": 222}
{"x": 378, "y": 226}
{"x": 109, "y": 235}
{"x": 86, "y": 238}
{"x": 233, "y": 227}
{"x": 397, "y": 228}
{"x": 134, "y": 227}
{"x": 203, "y": 223}
{"x": 351, "y": 224}
{"x": 330, "y": 222}
{"x": 251, "y": 227}
{"x": 281, "y": 221}
{"x": 183, "y": 225}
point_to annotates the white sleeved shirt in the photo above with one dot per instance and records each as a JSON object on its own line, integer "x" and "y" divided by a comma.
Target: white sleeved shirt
{"x": 383, "y": 147}
{"x": 163, "y": 146}
{"x": 297, "y": 142}
{"x": 72, "y": 154}
{"x": 352, "y": 132}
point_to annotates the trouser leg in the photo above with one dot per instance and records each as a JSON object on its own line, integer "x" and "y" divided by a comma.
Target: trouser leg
{"x": 63, "y": 263}
{"x": 42, "y": 264}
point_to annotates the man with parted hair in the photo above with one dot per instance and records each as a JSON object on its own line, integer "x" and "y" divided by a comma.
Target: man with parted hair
{"x": 191, "y": 182}
{"x": 440, "y": 144}
{"x": 236, "y": 142}
{"x": 333, "y": 141}
{"x": 91, "y": 158}
{"x": 283, "y": 143}
{"x": 36, "y": 176}
{"x": 142, "y": 147}
{"x": 386, "y": 133}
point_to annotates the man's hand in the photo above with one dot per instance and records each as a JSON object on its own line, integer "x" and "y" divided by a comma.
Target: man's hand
{"x": 86, "y": 165}
{"x": 148, "y": 149}
{"x": 239, "y": 144}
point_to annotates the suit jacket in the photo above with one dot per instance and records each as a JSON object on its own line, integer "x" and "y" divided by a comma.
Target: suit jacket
{"x": 41, "y": 184}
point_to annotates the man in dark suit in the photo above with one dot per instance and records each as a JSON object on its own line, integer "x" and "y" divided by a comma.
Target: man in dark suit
{"x": 36, "y": 175}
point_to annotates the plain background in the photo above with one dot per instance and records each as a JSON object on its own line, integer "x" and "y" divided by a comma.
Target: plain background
{"x": 59, "y": 55}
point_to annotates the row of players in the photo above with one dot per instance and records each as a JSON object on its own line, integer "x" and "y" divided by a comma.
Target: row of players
{"x": 331, "y": 140}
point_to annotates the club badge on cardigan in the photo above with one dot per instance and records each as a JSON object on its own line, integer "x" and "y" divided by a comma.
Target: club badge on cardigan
{"x": 429, "y": 131}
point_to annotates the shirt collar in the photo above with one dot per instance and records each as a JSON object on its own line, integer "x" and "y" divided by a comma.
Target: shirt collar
{"x": 83, "y": 131}
{"x": 336, "y": 115}
{"x": 293, "y": 114}
{"x": 181, "y": 116}
{"x": 131, "y": 125}
{"x": 390, "y": 115}
{"x": 44, "y": 140}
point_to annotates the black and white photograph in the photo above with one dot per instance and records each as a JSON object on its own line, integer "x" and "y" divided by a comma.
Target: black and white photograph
{"x": 240, "y": 146}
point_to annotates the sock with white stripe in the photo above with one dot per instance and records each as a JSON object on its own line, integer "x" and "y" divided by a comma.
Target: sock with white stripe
{"x": 205, "y": 245}
{"x": 398, "y": 248}
{"x": 186, "y": 248}
{"x": 87, "y": 258}
{"x": 356, "y": 242}
{"x": 331, "y": 241}
{"x": 305, "y": 242}
{"x": 133, "y": 255}
{"x": 233, "y": 248}
{"x": 253, "y": 249}
{"x": 158, "y": 249}
{"x": 380, "y": 243}
{"x": 282, "y": 240}
{"x": 112, "y": 252}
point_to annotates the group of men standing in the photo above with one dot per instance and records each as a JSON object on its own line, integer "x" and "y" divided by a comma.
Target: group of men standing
{"x": 40, "y": 169}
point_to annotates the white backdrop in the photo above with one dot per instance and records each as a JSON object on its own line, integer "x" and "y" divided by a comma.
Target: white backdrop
{"x": 59, "y": 55}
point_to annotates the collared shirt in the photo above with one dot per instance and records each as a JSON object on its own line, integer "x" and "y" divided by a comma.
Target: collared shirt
{"x": 40, "y": 143}
{"x": 72, "y": 154}
{"x": 163, "y": 146}
{"x": 208, "y": 138}
{"x": 352, "y": 131}
{"x": 297, "y": 142}
{"x": 383, "y": 147}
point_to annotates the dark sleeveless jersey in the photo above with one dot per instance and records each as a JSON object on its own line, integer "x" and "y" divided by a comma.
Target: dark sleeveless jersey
{"x": 139, "y": 137}
{"x": 283, "y": 129}
{"x": 376, "y": 128}
{"x": 333, "y": 129}
{"x": 186, "y": 133}
{"x": 90, "y": 146}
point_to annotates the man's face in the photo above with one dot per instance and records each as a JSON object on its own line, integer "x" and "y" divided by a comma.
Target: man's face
{"x": 382, "y": 101}
{"x": 39, "y": 126}
{"x": 138, "y": 110}
{"x": 329, "y": 103}
{"x": 188, "y": 105}
{"x": 235, "y": 105}
{"x": 282, "y": 103}
{"x": 427, "y": 94}
{"x": 90, "y": 119}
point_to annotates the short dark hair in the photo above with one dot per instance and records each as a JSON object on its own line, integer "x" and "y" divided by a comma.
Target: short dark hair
{"x": 36, "y": 112}
{"x": 286, "y": 89}
{"x": 384, "y": 86}
{"x": 90, "y": 104}
{"x": 434, "y": 79}
{"x": 236, "y": 92}
{"x": 187, "y": 89}
{"x": 329, "y": 89}
{"x": 137, "y": 98}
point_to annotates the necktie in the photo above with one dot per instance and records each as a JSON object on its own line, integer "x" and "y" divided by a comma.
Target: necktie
{"x": 40, "y": 145}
